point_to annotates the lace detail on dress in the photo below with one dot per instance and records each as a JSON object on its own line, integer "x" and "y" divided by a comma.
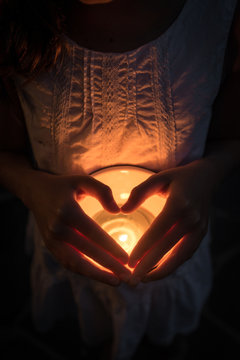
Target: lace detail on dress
{"x": 114, "y": 94}
{"x": 62, "y": 77}
{"x": 164, "y": 106}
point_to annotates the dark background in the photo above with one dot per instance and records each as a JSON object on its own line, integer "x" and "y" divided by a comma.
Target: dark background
{"x": 218, "y": 332}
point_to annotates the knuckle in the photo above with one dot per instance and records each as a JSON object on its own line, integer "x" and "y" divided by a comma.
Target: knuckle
{"x": 55, "y": 229}
{"x": 60, "y": 210}
{"x": 63, "y": 209}
{"x": 194, "y": 218}
{"x": 185, "y": 204}
{"x": 182, "y": 204}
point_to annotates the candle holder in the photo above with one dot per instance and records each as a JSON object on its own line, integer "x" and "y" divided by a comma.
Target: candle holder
{"x": 125, "y": 229}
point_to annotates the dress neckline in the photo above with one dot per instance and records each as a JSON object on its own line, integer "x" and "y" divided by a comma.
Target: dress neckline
{"x": 150, "y": 43}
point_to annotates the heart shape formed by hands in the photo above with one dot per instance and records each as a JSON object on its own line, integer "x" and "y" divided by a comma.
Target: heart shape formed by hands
{"x": 125, "y": 229}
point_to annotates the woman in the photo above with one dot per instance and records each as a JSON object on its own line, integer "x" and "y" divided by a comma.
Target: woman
{"x": 99, "y": 83}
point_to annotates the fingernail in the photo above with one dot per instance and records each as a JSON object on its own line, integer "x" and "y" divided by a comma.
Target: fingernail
{"x": 125, "y": 277}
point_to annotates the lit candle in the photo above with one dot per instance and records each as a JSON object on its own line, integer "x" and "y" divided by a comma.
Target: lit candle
{"x": 125, "y": 229}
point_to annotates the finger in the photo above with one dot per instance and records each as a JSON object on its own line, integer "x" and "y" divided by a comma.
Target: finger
{"x": 92, "y": 250}
{"x": 163, "y": 223}
{"x": 169, "y": 240}
{"x": 100, "y": 191}
{"x": 181, "y": 252}
{"x": 76, "y": 218}
{"x": 160, "y": 249}
{"x": 153, "y": 185}
{"x": 79, "y": 264}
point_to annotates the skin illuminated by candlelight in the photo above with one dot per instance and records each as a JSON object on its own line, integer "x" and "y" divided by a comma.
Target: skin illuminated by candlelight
{"x": 125, "y": 229}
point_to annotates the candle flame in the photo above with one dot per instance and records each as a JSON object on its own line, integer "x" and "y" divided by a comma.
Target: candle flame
{"x": 123, "y": 237}
{"x": 124, "y": 196}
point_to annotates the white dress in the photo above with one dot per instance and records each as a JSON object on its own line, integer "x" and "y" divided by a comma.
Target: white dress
{"x": 149, "y": 107}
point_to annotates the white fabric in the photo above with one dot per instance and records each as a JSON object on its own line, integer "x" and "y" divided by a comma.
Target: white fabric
{"x": 150, "y": 107}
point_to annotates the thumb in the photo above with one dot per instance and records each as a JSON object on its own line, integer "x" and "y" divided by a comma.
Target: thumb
{"x": 155, "y": 184}
{"x": 100, "y": 191}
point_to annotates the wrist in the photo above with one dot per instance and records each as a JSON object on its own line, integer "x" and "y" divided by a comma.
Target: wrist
{"x": 33, "y": 180}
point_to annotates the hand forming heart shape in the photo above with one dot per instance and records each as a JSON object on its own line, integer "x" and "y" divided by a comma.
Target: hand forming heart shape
{"x": 125, "y": 229}
{"x": 176, "y": 232}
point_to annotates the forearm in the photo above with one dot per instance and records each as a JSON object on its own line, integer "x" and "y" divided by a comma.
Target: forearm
{"x": 17, "y": 175}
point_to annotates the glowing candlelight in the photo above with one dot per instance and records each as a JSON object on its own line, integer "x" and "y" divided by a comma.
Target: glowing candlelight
{"x": 126, "y": 229}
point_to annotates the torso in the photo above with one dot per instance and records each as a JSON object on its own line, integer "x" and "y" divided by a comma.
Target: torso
{"x": 121, "y": 26}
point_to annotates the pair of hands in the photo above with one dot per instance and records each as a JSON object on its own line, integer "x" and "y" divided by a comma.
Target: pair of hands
{"x": 69, "y": 233}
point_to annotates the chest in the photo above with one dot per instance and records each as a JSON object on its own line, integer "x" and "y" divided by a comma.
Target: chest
{"x": 114, "y": 29}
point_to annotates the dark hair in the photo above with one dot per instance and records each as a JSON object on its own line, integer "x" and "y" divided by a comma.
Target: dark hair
{"x": 31, "y": 36}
